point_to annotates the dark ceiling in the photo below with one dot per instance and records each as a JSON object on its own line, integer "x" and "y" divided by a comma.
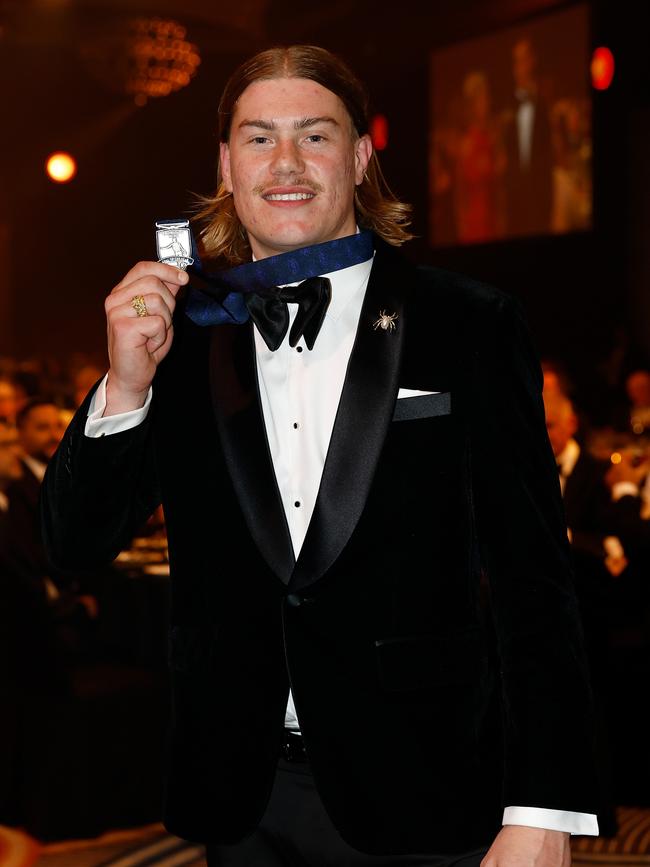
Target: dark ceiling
{"x": 246, "y": 24}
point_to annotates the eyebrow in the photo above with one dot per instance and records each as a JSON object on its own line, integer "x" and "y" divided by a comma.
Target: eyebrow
{"x": 304, "y": 123}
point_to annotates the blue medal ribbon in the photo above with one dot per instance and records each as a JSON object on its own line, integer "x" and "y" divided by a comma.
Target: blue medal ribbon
{"x": 221, "y": 298}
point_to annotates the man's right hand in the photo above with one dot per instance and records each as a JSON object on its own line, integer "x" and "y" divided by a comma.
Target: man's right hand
{"x": 137, "y": 344}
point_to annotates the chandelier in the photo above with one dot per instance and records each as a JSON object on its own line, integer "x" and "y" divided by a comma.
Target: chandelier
{"x": 143, "y": 57}
{"x": 160, "y": 60}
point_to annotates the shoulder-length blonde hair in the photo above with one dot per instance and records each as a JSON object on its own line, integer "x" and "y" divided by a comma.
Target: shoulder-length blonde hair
{"x": 377, "y": 208}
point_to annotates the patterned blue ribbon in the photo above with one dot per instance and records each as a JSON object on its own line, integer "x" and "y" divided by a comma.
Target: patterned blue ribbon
{"x": 221, "y": 297}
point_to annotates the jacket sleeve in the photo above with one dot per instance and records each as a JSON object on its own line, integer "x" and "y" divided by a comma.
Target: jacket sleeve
{"x": 546, "y": 696}
{"x": 96, "y": 493}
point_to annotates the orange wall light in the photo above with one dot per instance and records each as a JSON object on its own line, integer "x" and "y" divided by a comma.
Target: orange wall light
{"x": 61, "y": 167}
{"x": 602, "y": 68}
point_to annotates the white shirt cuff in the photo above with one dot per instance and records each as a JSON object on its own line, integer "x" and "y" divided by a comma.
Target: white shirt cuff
{"x": 552, "y": 820}
{"x": 624, "y": 489}
{"x": 96, "y": 426}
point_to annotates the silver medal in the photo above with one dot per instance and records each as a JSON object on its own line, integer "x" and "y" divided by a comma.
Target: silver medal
{"x": 174, "y": 243}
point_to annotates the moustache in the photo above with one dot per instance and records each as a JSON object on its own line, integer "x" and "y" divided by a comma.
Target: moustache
{"x": 314, "y": 186}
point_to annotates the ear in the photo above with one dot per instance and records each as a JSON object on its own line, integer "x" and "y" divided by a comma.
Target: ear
{"x": 224, "y": 165}
{"x": 363, "y": 152}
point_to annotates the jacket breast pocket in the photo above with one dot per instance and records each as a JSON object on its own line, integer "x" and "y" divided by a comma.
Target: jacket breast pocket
{"x": 423, "y": 406}
{"x": 427, "y": 661}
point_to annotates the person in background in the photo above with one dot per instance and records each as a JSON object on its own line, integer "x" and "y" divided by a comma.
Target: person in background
{"x": 8, "y": 400}
{"x": 637, "y": 387}
{"x": 39, "y": 588}
{"x": 27, "y": 381}
{"x": 84, "y": 379}
{"x": 479, "y": 166}
{"x": 598, "y": 555}
{"x": 10, "y": 468}
{"x": 527, "y": 137}
{"x": 628, "y": 480}
{"x": 556, "y": 379}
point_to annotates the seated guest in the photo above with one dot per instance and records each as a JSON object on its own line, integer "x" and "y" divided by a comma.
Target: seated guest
{"x": 629, "y": 480}
{"x": 556, "y": 379}
{"x": 631, "y": 414}
{"x": 34, "y": 587}
{"x": 8, "y": 400}
{"x": 637, "y": 386}
{"x": 84, "y": 379}
{"x": 39, "y": 433}
{"x": 10, "y": 467}
{"x": 27, "y": 383}
{"x": 598, "y": 555}
{"x": 582, "y": 482}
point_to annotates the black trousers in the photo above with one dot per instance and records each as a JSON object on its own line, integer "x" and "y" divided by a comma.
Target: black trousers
{"x": 295, "y": 831}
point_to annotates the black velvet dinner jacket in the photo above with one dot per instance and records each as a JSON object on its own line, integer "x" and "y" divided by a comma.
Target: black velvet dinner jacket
{"x": 377, "y": 626}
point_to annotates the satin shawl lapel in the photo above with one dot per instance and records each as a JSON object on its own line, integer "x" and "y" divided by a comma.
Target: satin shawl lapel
{"x": 362, "y": 421}
{"x": 235, "y": 397}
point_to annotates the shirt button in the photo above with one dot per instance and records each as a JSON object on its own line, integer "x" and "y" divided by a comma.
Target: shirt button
{"x": 295, "y": 425}
{"x": 298, "y": 348}
{"x": 297, "y": 504}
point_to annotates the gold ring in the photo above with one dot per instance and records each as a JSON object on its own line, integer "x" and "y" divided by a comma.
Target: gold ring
{"x": 137, "y": 302}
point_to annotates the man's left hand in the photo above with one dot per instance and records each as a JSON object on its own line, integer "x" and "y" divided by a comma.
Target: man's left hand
{"x": 521, "y": 846}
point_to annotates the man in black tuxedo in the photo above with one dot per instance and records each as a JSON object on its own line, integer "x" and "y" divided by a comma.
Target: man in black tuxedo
{"x": 353, "y": 487}
{"x": 39, "y": 431}
{"x": 587, "y": 504}
{"x": 527, "y": 138}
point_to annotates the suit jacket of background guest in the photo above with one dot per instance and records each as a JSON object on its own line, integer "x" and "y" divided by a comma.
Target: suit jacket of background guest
{"x": 378, "y": 626}
{"x": 529, "y": 189}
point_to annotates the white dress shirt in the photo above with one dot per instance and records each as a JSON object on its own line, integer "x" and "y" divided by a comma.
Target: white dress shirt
{"x": 566, "y": 461}
{"x": 300, "y": 391}
{"x": 37, "y": 467}
{"x": 525, "y": 122}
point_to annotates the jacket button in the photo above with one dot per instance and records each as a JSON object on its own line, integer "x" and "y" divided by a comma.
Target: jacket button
{"x": 294, "y": 600}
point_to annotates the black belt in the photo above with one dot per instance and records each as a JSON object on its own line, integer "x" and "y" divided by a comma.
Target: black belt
{"x": 293, "y": 747}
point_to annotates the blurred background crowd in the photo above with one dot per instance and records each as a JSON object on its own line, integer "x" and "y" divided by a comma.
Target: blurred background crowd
{"x": 82, "y": 656}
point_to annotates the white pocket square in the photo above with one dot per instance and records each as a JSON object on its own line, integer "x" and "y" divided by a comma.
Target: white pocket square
{"x": 413, "y": 392}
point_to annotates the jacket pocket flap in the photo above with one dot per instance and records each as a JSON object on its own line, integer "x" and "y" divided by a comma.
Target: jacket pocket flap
{"x": 423, "y": 406}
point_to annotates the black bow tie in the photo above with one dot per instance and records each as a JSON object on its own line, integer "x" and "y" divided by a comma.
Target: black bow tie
{"x": 268, "y": 310}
